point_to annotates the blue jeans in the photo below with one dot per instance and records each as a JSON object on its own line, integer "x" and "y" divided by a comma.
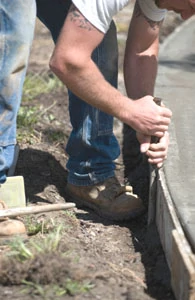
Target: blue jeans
{"x": 17, "y": 20}
{"x": 92, "y": 147}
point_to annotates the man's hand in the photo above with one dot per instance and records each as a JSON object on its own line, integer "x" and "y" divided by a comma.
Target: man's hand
{"x": 148, "y": 118}
{"x": 156, "y": 152}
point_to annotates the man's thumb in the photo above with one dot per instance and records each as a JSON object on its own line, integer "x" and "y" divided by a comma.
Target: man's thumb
{"x": 144, "y": 141}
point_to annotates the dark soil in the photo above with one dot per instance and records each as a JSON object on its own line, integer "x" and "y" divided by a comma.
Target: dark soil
{"x": 115, "y": 261}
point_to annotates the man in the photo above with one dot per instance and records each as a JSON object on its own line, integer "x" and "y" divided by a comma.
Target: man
{"x": 88, "y": 31}
{"x": 85, "y": 59}
{"x": 86, "y": 26}
{"x": 16, "y": 34}
{"x": 136, "y": 166}
{"x": 17, "y": 20}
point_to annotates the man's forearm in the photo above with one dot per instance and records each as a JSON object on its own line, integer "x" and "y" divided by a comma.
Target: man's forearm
{"x": 141, "y": 55}
{"x": 88, "y": 83}
{"x": 140, "y": 75}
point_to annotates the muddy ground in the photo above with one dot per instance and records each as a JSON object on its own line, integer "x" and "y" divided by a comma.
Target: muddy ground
{"x": 95, "y": 258}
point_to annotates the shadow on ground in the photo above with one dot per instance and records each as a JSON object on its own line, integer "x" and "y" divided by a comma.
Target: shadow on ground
{"x": 44, "y": 176}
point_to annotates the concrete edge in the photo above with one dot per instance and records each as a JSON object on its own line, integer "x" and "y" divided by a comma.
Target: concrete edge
{"x": 178, "y": 253}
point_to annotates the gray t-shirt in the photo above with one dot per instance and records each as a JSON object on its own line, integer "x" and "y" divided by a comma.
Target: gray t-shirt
{"x": 100, "y": 12}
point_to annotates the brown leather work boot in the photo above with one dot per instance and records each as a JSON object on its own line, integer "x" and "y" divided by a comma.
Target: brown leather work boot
{"x": 10, "y": 228}
{"x": 109, "y": 199}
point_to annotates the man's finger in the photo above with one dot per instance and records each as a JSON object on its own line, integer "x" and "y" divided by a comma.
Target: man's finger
{"x": 144, "y": 141}
{"x": 166, "y": 112}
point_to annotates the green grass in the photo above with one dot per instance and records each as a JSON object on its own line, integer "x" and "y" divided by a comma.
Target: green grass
{"x": 70, "y": 287}
{"x": 55, "y": 135}
{"x": 21, "y": 251}
{"x": 29, "y": 115}
{"x": 33, "y": 226}
{"x": 70, "y": 213}
{"x": 25, "y": 253}
{"x": 74, "y": 287}
{"x": 36, "y": 84}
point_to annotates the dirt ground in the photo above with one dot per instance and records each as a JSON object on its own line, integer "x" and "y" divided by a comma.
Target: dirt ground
{"x": 111, "y": 260}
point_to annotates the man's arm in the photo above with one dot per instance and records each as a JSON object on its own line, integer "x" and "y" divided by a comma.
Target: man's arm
{"x": 140, "y": 69}
{"x": 141, "y": 55}
{"x": 72, "y": 63}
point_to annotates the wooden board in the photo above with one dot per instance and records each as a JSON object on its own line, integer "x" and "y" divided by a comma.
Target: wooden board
{"x": 178, "y": 253}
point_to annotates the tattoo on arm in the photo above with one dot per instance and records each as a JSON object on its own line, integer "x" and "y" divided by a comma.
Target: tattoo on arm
{"x": 77, "y": 18}
{"x": 138, "y": 12}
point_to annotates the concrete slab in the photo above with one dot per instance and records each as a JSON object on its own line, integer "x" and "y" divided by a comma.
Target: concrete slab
{"x": 176, "y": 86}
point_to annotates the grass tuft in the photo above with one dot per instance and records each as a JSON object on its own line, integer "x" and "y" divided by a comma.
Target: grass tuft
{"x": 36, "y": 84}
{"x": 20, "y": 251}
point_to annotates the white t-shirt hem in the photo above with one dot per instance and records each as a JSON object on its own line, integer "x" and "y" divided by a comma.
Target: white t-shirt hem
{"x": 151, "y": 11}
{"x": 96, "y": 22}
{"x": 100, "y": 12}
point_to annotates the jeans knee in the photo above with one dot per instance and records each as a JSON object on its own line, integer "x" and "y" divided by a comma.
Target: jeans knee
{"x": 17, "y": 21}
